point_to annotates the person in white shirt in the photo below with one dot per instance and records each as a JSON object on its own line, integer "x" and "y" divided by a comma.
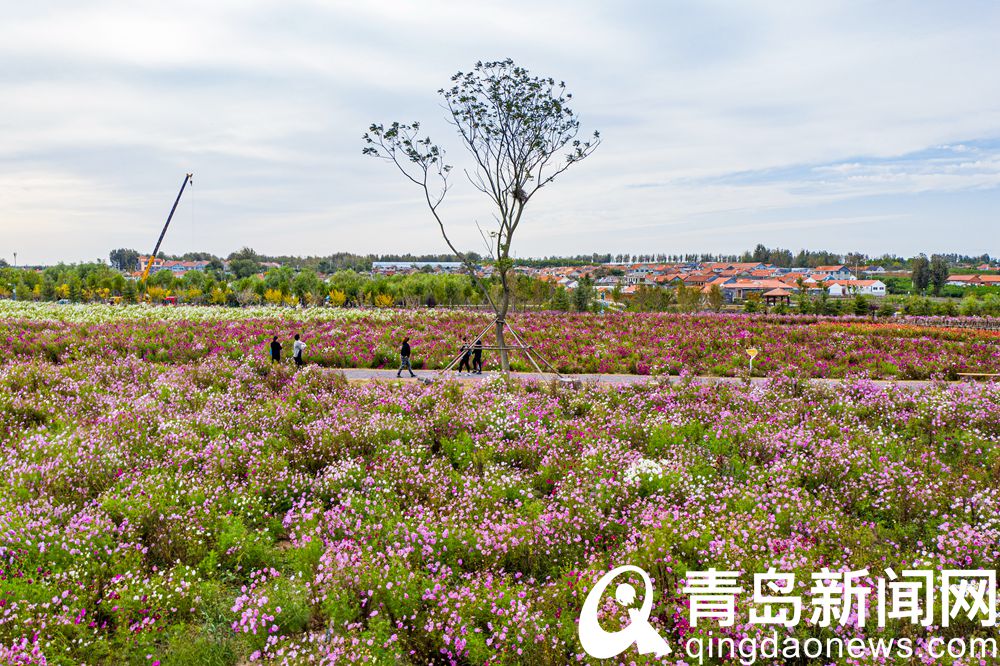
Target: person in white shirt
{"x": 297, "y": 350}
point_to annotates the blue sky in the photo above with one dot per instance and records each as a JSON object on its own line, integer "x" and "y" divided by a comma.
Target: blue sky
{"x": 871, "y": 126}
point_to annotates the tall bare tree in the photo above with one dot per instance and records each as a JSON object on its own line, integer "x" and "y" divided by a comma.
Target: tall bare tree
{"x": 521, "y": 135}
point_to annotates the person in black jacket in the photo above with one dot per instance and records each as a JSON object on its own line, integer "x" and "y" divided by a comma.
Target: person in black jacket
{"x": 275, "y": 350}
{"x": 466, "y": 356}
{"x": 404, "y": 358}
{"x": 477, "y": 357}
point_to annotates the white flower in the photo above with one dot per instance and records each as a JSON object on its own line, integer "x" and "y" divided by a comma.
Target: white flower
{"x": 643, "y": 467}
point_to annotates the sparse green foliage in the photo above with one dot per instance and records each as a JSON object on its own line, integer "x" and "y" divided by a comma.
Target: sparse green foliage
{"x": 514, "y": 126}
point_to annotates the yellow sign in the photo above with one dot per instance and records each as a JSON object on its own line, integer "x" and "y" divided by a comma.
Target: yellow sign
{"x": 752, "y": 352}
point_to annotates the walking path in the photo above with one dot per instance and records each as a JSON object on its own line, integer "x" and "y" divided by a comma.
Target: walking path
{"x": 367, "y": 374}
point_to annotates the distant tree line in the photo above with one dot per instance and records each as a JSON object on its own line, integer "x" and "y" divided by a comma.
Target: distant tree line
{"x": 331, "y": 263}
{"x": 250, "y": 260}
{"x": 284, "y": 286}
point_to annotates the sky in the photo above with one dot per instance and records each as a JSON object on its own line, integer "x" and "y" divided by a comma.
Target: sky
{"x": 840, "y": 125}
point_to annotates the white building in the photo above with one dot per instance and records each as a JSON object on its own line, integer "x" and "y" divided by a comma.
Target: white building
{"x": 840, "y": 288}
{"x": 390, "y": 267}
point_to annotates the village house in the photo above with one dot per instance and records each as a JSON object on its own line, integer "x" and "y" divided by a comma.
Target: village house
{"x": 698, "y": 279}
{"x": 738, "y": 290}
{"x": 668, "y": 279}
{"x": 641, "y": 276}
{"x": 973, "y": 280}
{"x": 175, "y": 267}
{"x": 568, "y": 283}
{"x": 963, "y": 280}
{"x": 838, "y": 272}
{"x": 734, "y": 268}
{"x": 144, "y": 259}
{"x": 842, "y": 288}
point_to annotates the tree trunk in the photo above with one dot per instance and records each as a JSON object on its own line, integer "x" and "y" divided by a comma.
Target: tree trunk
{"x": 501, "y": 323}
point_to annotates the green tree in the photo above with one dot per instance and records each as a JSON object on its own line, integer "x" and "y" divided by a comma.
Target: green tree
{"x": 560, "y": 299}
{"x": 688, "y": 298}
{"x": 921, "y": 273}
{"x": 350, "y": 283}
{"x": 307, "y": 287}
{"x": 938, "y": 273}
{"x": 521, "y": 133}
{"x": 583, "y": 295}
{"x": 861, "y": 305}
{"x": 279, "y": 279}
{"x": 652, "y": 299}
{"x": 215, "y": 269}
{"x": 802, "y": 296}
{"x": 75, "y": 289}
{"x": 129, "y": 292}
{"x": 163, "y": 279}
{"x": 822, "y": 303}
{"x": 715, "y": 298}
{"x": 245, "y": 263}
{"x": 243, "y": 268}
{"x": 856, "y": 260}
{"x": 124, "y": 259}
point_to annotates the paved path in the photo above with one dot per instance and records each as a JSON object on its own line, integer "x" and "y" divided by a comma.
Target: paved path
{"x": 367, "y": 374}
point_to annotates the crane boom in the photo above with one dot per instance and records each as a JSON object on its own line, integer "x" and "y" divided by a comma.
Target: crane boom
{"x": 188, "y": 178}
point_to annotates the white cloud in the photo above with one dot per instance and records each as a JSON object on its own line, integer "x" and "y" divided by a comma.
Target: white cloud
{"x": 710, "y": 111}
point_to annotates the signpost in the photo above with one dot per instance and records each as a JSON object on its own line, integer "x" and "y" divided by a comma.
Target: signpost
{"x": 752, "y": 353}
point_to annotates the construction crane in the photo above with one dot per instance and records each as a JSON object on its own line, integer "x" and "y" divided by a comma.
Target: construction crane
{"x": 188, "y": 178}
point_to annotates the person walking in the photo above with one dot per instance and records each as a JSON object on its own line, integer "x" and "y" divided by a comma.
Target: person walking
{"x": 477, "y": 357}
{"x": 297, "y": 350}
{"x": 466, "y": 357}
{"x": 404, "y": 358}
{"x": 275, "y": 350}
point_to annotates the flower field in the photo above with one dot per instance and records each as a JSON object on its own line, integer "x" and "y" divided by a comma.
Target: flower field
{"x": 217, "y": 510}
{"x": 170, "y": 497}
{"x": 702, "y": 344}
